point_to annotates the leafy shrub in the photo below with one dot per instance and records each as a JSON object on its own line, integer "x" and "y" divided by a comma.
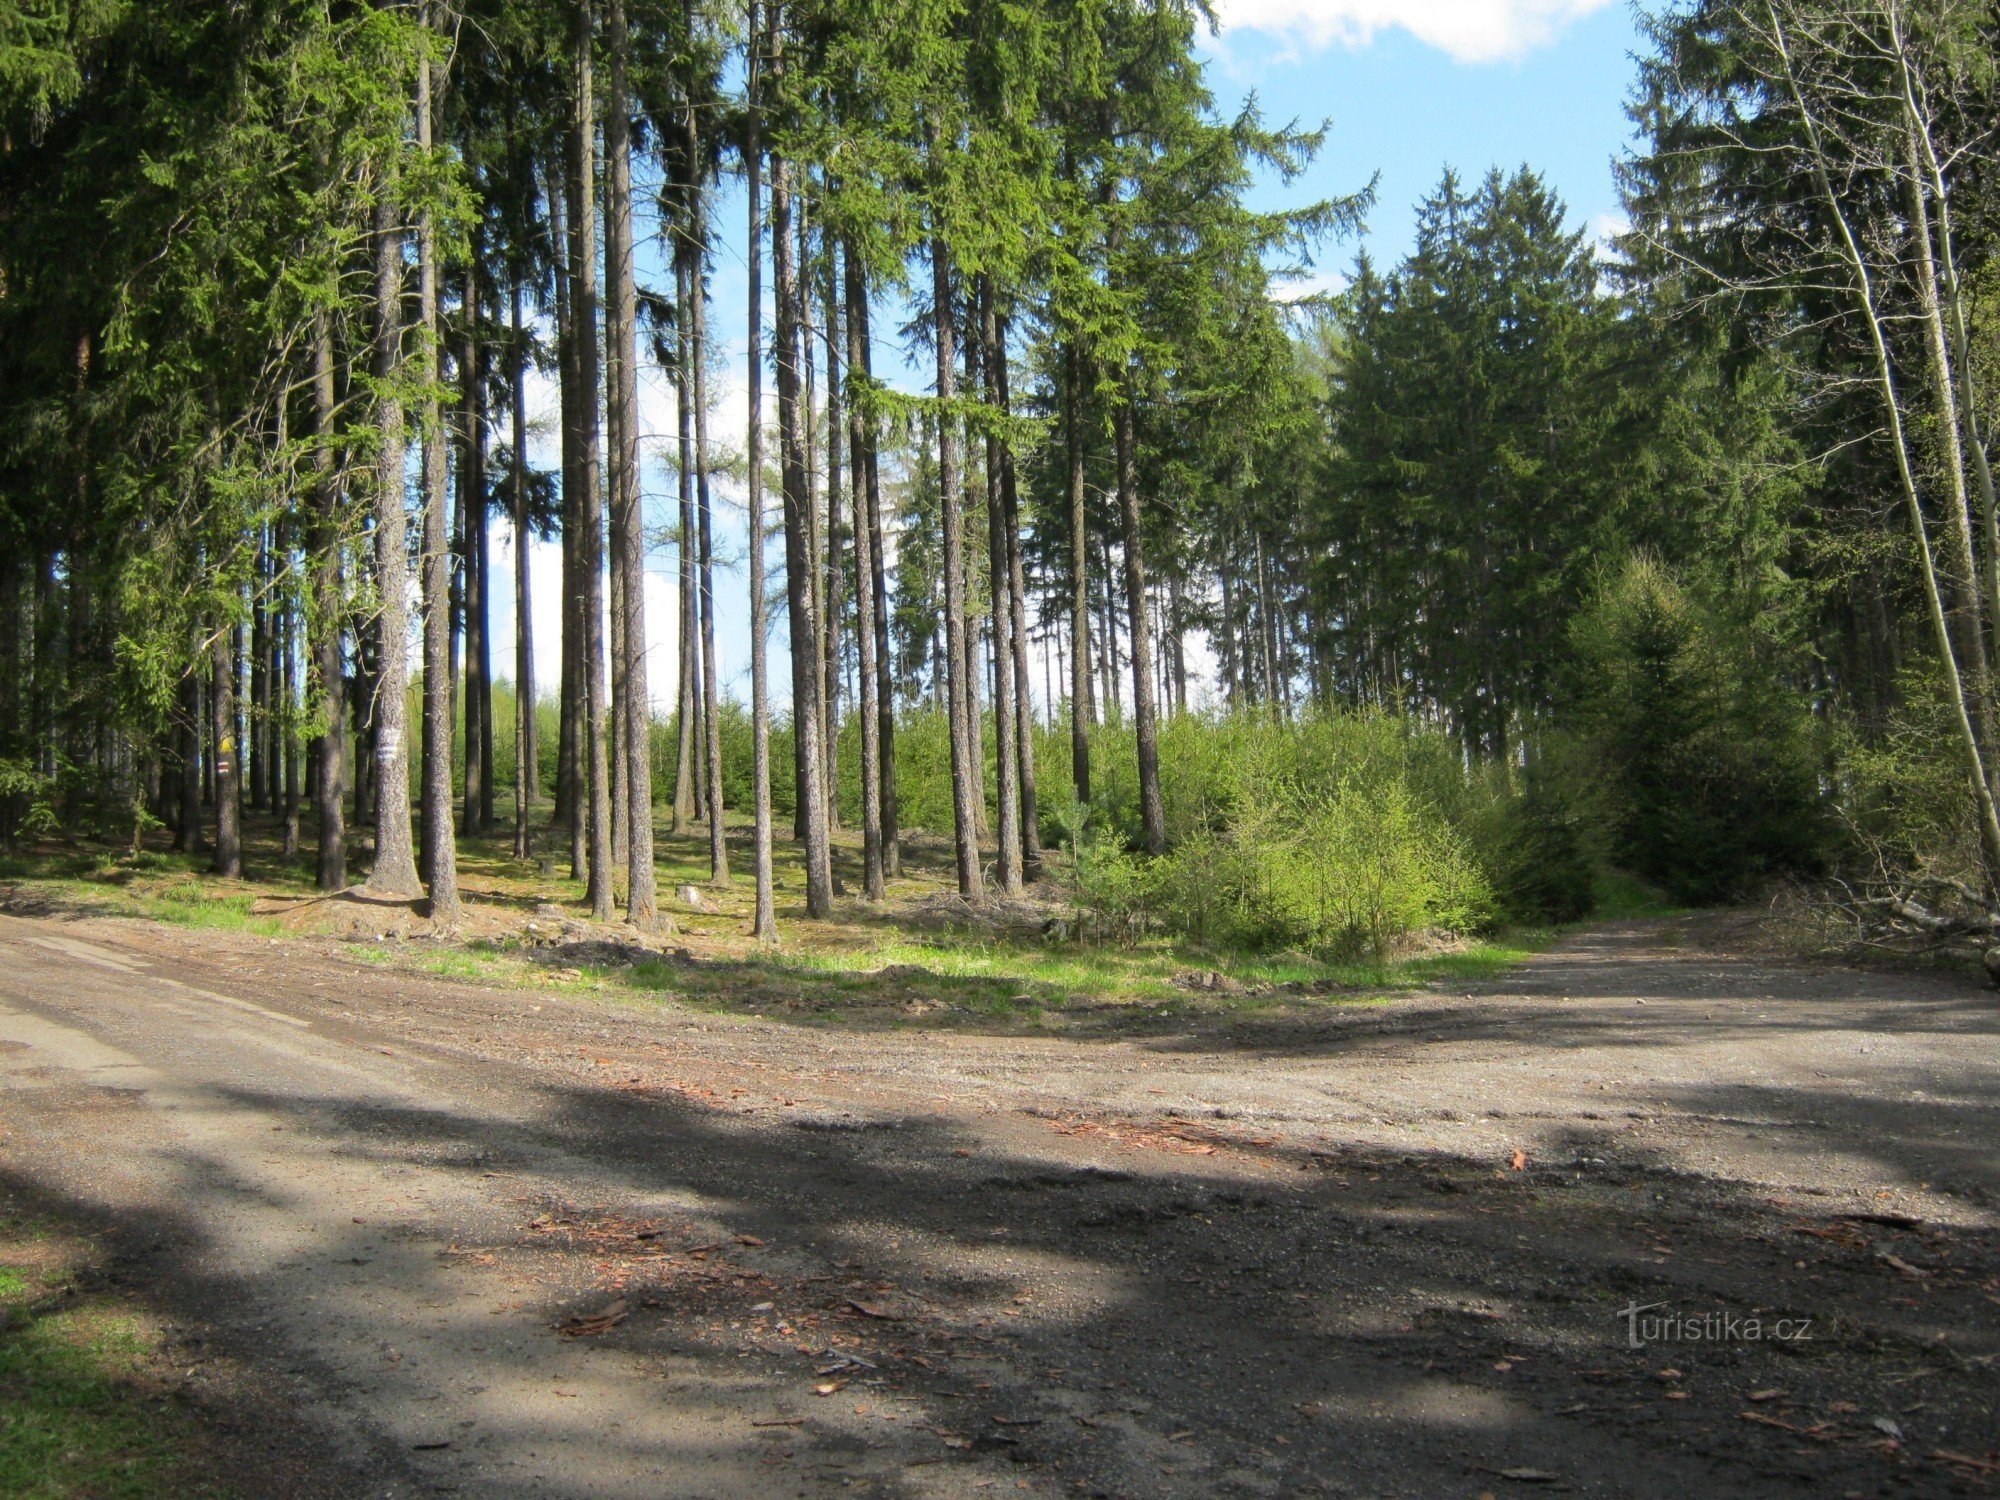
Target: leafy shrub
{"x": 1333, "y": 834}
{"x": 1541, "y": 869}
{"x": 1906, "y": 795}
{"x": 1707, "y": 765}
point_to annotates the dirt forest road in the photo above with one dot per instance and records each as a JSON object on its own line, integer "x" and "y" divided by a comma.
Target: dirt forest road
{"x": 416, "y": 1236}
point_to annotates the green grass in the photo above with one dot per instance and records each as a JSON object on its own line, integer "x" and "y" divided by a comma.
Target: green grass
{"x": 831, "y": 974}
{"x": 77, "y": 1418}
{"x": 1623, "y": 897}
{"x": 946, "y": 981}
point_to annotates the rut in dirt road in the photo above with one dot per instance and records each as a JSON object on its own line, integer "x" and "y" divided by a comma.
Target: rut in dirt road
{"x": 505, "y": 1242}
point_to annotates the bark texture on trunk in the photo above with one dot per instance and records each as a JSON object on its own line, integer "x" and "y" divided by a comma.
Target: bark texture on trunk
{"x": 228, "y": 758}
{"x": 641, "y": 902}
{"x": 1079, "y": 561}
{"x": 764, "y": 921}
{"x": 1007, "y": 757}
{"x": 527, "y": 759}
{"x": 965, "y": 771}
{"x": 1145, "y": 724}
{"x": 440, "y": 827}
{"x": 809, "y": 762}
{"x": 591, "y": 748}
{"x": 329, "y": 612}
{"x": 395, "y": 868}
{"x": 711, "y": 692}
{"x": 860, "y": 428}
{"x": 878, "y": 563}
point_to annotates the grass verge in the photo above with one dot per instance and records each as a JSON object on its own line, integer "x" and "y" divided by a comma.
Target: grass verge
{"x": 81, "y": 1414}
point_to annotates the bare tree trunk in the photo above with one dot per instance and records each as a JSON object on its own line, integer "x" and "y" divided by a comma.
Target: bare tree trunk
{"x": 711, "y": 717}
{"x": 527, "y": 760}
{"x": 188, "y": 839}
{"x": 472, "y": 510}
{"x": 806, "y": 344}
{"x": 861, "y": 428}
{"x": 614, "y": 620}
{"x": 1006, "y": 729}
{"x": 1970, "y": 716}
{"x": 809, "y": 760}
{"x": 228, "y": 757}
{"x": 395, "y": 869}
{"x": 1152, "y": 810}
{"x": 329, "y": 610}
{"x": 965, "y": 769}
{"x": 764, "y": 922}
{"x": 569, "y": 799}
{"x": 1079, "y": 561}
{"x": 440, "y": 828}
{"x": 641, "y": 901}
{"x": 1945, "y": 302}
{"x": 257, "y": 749}
{"x": 1023, "y": 728}
{"x": 885, "y": 697}
{"x": 690, "y": 611}
{"x": 291, "y": 624}
{"x": 591, "y": 749}
{"x": 830, "y": 593}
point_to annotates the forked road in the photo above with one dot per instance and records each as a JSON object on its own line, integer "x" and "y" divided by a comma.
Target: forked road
{"x": 446, "y": 1238}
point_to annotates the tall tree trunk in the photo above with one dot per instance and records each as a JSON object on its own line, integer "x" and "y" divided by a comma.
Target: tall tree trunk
{"x": 440, "y": 827}
{"x": 809, "y": 760}
{"x": 711, "y": 716}
{"x": 641, "y": 901}
{"x": 1023, "y": 728}
{"x": 1079, "y": 562}
{"x": 472, "y": 512}
{"x": 189, "y": 831}
{"x": 1006, "y": 727}
{"x": 228, "y": 758}
{"x": 1152, "y": 810}
{"x": 878, "y": 563}
{"x": 591, "y": 749}
{"x": 481, "y": 562}
{"x": 806, "y": 348}
{"x": 568, "y": 809}
{"x": 861, "y": 429}
{"x": 965, "y": 769}
{"x": 831, "y": 592}
{"x": 395, "y": 869}
{"x": 764, "y": 921}
{"x": 257, "y": 748}
{"x": 618, "y": 701}
{"x": 527, "y": 759}
{"x": 361, "y": 714}
{"x": 690, "y": 606}
{"x": 329, "y": 612}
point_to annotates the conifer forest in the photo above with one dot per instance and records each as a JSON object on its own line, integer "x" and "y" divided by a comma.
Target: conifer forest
{"x": 917, "y": 720}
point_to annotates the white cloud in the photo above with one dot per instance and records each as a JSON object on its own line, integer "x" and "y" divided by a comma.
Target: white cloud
{"x": 1471, "y": 31}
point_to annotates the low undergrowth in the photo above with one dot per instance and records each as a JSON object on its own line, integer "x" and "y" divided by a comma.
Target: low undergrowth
{"x": 81, "y": 1411}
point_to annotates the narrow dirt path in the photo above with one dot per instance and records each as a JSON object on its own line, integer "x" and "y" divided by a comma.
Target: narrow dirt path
{"x": 502, "y": 1242}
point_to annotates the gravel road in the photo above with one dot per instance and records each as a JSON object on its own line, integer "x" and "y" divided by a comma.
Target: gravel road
{"x": 416, "y": 1236}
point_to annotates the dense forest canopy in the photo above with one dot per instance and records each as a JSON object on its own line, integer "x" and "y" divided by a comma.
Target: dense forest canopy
{"x": 1292, "y": 621}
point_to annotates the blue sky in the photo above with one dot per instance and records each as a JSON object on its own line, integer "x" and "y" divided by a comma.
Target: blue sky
{"x": 1407, "y": 107}
{"x": 1408, "y": 86}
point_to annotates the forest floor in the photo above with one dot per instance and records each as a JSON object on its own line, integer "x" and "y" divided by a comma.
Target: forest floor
{"x": 388, "y": 1215}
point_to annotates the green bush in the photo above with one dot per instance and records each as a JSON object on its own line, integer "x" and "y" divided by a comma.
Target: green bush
{"x": 1542, "y": 871}
{"x": 1708, "y": 766}
{"x": 1337, "y": 834}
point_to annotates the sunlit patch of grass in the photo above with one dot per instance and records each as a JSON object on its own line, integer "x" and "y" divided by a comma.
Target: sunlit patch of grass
{"x": 189, "y": 903}
{"x": 1623, "y": 897}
